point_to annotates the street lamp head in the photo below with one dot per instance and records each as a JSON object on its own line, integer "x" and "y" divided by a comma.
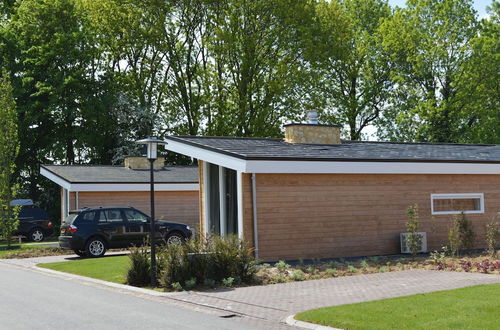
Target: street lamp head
{"x": 152, "y": 144}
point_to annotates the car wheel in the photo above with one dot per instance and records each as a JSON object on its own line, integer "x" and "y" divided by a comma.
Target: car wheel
{"x": 80, "y": 253}
{"x": 36, "y": 235}
{"x": 95, "y": 247}
{"x": 174, "y": 239}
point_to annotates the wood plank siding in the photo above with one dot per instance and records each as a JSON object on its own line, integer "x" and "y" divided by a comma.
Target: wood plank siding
{"x": 339, "y": 215}
{"x": 174, "y": 206}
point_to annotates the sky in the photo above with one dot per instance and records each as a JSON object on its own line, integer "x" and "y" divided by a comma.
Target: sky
{"x": 479, "y": 5}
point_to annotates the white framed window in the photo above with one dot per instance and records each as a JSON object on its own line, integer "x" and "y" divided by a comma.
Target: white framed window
{"x": 457, "y": 203}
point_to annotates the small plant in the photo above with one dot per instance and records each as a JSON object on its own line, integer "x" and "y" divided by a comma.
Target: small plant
{"x": 265, "y": 265}
{"x": 139, "y": 272}
{"x": 176, "y": 286}
{"x": 209, "y": 282}
{"x": 310, "y": 270}
{"x": 382, "y": 269}
{"x": 454, "y": 236}
{"x": 316, "y": 261}
{"x": 278, "y": 279}
{"x": 298, "y": 275}
{"x": 400, "y": 266}
{"x": 301, "y": 262}
{"x": 492, "y": 234}
{"x": 351, "y": 269}
{"x": 191, "y": 283}
{"x": 439, "y": 257}
{"x": 364, "y": 264}
{"x": 413, "y": 239}
{"x": 331, "y": 272}
{"x": 333, "y": 264}
{"x": 281, "y": 266}
{"x": 465, "y": 232}
{"x": 228, "y": 282}
{"x": 466, "y": 265}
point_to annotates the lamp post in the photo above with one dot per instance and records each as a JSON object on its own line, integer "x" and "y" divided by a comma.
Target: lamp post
{"x": 152, "y": 145}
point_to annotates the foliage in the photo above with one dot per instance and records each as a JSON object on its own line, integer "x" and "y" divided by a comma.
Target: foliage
{"x": 214, "y": 258}
{"x": 350, "y": 66}
{"x": 228, "y": 282}
{"x": 413, "y": 240}
{"x": 466, "y": 232}
{"x": 454, "y": 241}
{"x": 492, "y": 236}
{"x": 298, "y": 275}
{"x": 139, "y": 272}
{"x": 9, "y": 148}
{"x": 176, "y": 286}
{"x": 281, "y": 265}
{"x": 191, "y": 283}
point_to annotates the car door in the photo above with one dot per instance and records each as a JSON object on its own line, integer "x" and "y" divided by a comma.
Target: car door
{"x": 111, "y": 224}
{"x": 136, "y": 226}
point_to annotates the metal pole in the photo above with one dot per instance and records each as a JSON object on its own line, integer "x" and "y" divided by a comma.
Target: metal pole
{"x": 152, "y": 229}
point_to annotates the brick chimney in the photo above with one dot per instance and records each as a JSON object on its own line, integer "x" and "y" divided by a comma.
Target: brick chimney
{"x": 312, "y": 132}
{"x": 142, "y": 163}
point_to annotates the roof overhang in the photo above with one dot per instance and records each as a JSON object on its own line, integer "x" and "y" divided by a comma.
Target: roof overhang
{"x": 97, "y": 186}
{"x": 329, "y": 167}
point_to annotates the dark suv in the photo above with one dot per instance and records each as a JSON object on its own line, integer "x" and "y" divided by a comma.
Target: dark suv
{"x": 34, "y": 223}
{"x": 91, "y": 231}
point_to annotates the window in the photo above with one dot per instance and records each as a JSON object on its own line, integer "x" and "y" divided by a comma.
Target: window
{"x": 110, "y": 216}
{"x": 457, "y": 203}
{"x": 88, "y": 217}
{"x": 135, "y": 216}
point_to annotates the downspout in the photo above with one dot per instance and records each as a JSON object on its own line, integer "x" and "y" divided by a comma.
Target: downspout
{"x": 255, "y": 219}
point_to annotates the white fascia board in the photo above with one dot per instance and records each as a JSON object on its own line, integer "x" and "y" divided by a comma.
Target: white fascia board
{"x": 213, "y": 157}
{"x": 54, "y": 178}
{"x": 133, "y": 187}
{"x": 332, "y": 167}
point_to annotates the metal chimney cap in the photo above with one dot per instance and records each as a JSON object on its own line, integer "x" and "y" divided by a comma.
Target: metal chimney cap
{"x": 312, "y": 117}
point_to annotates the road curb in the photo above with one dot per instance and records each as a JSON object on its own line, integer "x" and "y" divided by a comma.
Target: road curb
{"x": 110, "y": 284}
{"x": 290, "y": 320}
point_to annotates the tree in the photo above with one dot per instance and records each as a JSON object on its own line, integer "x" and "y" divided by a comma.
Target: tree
{"x": 9, "y": 147}
{"x": 481, "y": 83}
{"x": 428, "y": 41}
{"x": 352, "y": 69}
{"x": 257, "y": 66}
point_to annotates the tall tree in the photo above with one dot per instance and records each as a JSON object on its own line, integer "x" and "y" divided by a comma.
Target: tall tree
{"x": 429, "y": 42}
{"x": 480, "y": 84}
{"x": 9, "y": 147}
{"x": 257, "y": 66}
{"x": 352, "y": 69}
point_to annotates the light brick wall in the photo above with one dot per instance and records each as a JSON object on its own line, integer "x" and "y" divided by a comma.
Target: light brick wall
{"x": 324, "y": 215}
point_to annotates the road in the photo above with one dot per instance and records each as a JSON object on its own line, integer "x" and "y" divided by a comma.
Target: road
{"x": 31, "y": 300}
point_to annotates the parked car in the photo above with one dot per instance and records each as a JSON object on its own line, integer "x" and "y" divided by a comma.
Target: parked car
{"x": 34, "y": 223}
{"x": 91, "y": 231}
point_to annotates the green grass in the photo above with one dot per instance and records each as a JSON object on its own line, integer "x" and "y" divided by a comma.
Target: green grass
{"x": 112, "y": 269}
{"x": 476, "y": 307}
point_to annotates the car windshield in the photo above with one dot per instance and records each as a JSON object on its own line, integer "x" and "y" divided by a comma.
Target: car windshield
{"x": 69, "y": 219}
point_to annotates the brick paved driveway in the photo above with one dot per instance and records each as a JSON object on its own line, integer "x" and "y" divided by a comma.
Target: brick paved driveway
{"x": 275, "y": 302}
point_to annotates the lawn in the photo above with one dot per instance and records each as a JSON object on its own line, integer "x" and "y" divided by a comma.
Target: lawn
{"x": 476, "y": 307}
{"x": 112, "y": 269}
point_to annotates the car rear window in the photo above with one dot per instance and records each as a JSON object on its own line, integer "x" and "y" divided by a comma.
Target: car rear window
{"x": 33, "y": 212}
{"x": 69, "y": 219}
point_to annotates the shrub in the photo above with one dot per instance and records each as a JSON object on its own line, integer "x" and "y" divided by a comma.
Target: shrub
{"x": 213, "y": 258}
{"x": 139, "y": 272}
{"x": 492, "y": 234}
{"x": 209, "y": 282}
{"x": 351, "y": 269}
{"x": 454, "y": 236}
{"x": 413, "y": 240}
{"x": 465, "y": 232}
{"x": 382, "y": 269}
{"x": 332, "y": 272}
{"x": 298, "y": 275}
{"x": 176, "y": 286}
{"x": 281, "y": 265}
{"x": 364, "y": 264}
{"x": 278, "y": 279}
{"x": 228, "y": 282}
{"x": 191, "y": 283}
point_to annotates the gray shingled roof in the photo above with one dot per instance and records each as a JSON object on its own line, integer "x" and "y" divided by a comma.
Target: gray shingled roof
{"x": 120, "y": 174}
{"x": 277, "y": 149}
